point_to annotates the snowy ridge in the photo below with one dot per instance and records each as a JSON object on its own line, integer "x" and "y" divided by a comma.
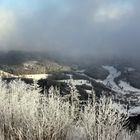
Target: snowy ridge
{"x": 6, "y": 75}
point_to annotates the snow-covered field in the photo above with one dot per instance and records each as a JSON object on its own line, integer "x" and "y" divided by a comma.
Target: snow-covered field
{"x": 35, "y": 76}
{"x": 109, "y": 81}
{"x": 134, "y": 111}
{"x": 122, "y": 88}
{"x": 128, "y": 88}
{"x": 76, "y": 82}
{"x": 30, "y": 76}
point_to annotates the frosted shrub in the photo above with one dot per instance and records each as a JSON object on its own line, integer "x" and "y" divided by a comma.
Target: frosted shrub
{"x": 19, "y": 107}
{"x": 26, "y": 114}
{"x": 101, "y": 121}
{"x": 57, "y": 116}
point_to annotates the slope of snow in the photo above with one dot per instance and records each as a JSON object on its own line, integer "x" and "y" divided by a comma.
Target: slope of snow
{"x": 30, "y": 76}
{"x": 80, "y": 71}
{"x": 127, "y": 87}
{"x": 76, "y": 82}
{"x": 7, "y": 75}
{"x": 123, "y": 88}
{"x": 70, "y": 75}
{"x": 30, "y": 63}
{"x": 134, "y": 111}
{"x": 35, "y": 76}
{"x": 109, "y": 81}
{"x": 120, "y": 108}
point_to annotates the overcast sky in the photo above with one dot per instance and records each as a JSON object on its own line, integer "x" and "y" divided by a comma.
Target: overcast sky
{"x": 97, "y": 27}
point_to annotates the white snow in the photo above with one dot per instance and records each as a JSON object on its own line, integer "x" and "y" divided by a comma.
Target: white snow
{"x": 127, "y": 87}
{"x": 83, "y": 74}
{"x": 6, "y": 74}
{"x": 29, "y": 76}
{"x": 88, "y": 91}
{"x": 70, "y": 75}
{"x": 35, "y": 76}
{"x": 76, "y": 82}
{"x": 81, "y": 71}
{"x": 123, "y": 88}
{"x": 120, "y": 108}
{"x": 30, "y": 63}
{"x": 134, "y": 111}
{"x": 109, "y": 81}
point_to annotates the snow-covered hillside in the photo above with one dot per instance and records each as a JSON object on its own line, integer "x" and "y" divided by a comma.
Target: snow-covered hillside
{"x": 109, "y": 81}
{"x": 127, "y": 87}
{"x": 29, "y": 76}
{"x": 77, "y": 82}
{"x": 6, "y": 75}
{"x": 123, "y": 88}
{"x": 35, "y": 76}
{"x": 30, "y": 63}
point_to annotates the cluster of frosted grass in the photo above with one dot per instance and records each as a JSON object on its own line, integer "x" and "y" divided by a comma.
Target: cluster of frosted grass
{"x": 26, "y": 114}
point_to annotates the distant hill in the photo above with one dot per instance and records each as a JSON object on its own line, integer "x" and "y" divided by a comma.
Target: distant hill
{"x": 19, "y": 62}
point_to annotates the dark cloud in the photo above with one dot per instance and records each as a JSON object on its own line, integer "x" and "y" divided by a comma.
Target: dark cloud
{"x": 94, "y": 27}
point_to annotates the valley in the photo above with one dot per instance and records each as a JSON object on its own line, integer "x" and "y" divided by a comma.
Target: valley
{"x": 110, "y": 81}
